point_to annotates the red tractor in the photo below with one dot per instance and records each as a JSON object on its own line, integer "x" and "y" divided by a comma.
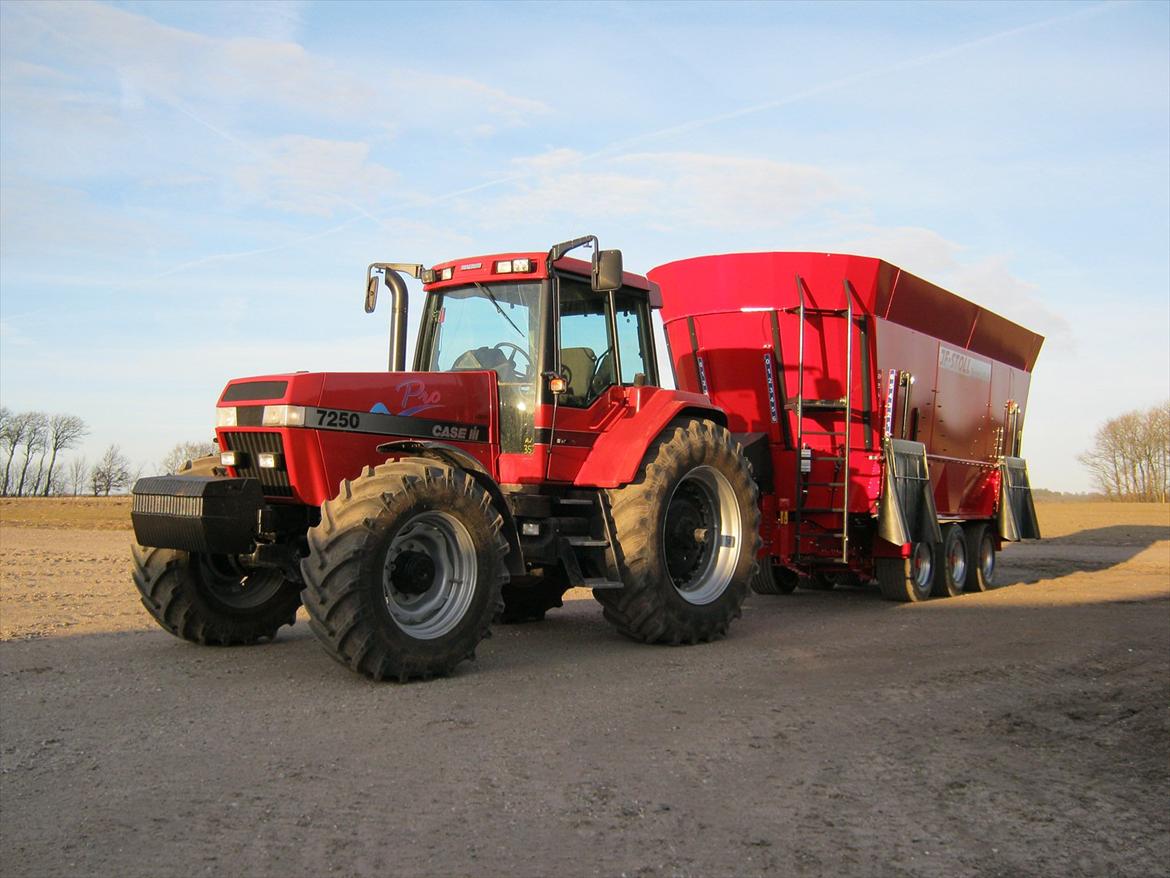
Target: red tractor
{"x": 531, "y": 449}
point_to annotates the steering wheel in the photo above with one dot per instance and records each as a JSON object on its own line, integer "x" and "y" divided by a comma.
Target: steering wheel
{"x": 598, "y": 365}
{"x": 515, "y": 349}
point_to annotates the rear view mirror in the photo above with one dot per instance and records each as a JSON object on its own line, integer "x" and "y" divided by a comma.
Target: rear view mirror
{"x": 607, "y": 270}
{"x": 371, "y": 293}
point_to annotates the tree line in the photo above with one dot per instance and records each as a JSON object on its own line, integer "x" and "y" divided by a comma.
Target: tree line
{"x": 34, "y": 465}
{"x": 1130, "y": 456}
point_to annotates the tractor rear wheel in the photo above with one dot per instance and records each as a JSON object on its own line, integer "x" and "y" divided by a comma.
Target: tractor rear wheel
{"x": 211, "y": 599}
{"x": 908, "y": 579}
{"x": 774, "y": 579}
{"x": 405, "y": 569}
{"x": 688, "y": 532}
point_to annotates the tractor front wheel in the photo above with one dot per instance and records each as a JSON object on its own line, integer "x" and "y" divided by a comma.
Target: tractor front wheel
{"x": 688, "y": 532}
{"x": 405, "y": 569}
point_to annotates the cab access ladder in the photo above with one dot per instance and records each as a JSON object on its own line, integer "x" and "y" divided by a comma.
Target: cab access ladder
{"x": 814, "y": 539}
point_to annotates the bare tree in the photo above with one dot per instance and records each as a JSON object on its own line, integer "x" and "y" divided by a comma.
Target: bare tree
{"x": 13, "y": 430}
{"x": 185, "y": 451}
{"x": 111, "y": 473}
{"x": 64, "y": 432}
{"x": 76, "y": 475}
{"x": 35, "y": 439}
{"x": 1130, "y": 457}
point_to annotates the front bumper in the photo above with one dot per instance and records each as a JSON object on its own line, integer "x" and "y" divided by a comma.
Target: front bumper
{"x": 197, "y": 513}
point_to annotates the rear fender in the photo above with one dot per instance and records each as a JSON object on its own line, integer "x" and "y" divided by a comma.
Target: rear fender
{"x": 618, "y": 452}
{"x": 457, "y": 457}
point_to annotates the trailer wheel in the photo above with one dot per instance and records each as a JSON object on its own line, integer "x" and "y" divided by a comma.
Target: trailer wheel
{"x": 980, "y": 541}
{"x": 773, "y": 578}
{"x": 688, "y": 532}
{"x": 907, "y": 579}
{"x": 818, "y": 582}
{"x": 405, "y": 569}
{"x": 211, "y": 599}
{"x": 953, "y": 571}
{"x": 529, "y": 603}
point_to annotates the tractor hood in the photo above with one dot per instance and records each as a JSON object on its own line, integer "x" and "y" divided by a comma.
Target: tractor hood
{"x": 328, "y": 424}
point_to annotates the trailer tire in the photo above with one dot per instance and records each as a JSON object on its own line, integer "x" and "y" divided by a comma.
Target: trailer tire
{"x": 773, "y": 578}
{"x": 980, "y": 557}
{"x": 818, "y": 582}
{"x": 210, "y": 599}
{"x": 687, "y": 532}
{"x": 908, "y": 580}
{"x": 404, "y": 571}
{"x": 529, "y": 603}
{"x": 952, "y": 570}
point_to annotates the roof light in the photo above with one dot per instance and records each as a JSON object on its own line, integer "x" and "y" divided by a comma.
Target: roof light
{"x": 447, "y": 273}
{"x": 513, "y": 266}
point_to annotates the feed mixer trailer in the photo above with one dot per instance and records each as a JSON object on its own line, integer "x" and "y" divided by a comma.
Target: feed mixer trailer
{"x": 882, "y": 415}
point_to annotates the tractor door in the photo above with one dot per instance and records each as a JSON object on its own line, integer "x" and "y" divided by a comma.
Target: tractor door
{"x": 600, "y": 351}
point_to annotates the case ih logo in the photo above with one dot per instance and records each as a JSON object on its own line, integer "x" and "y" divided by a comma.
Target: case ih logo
{"x": 964, "y": 364}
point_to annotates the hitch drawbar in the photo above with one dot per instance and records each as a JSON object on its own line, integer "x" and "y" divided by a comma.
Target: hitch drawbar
{"x": 197, "y": 513}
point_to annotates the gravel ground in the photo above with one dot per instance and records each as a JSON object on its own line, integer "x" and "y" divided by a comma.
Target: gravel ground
{"x": 1019, "y": 732}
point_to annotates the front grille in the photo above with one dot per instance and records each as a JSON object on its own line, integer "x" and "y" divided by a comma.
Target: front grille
{"x": 161, "y": 504}
{"x": 275, "y": 482}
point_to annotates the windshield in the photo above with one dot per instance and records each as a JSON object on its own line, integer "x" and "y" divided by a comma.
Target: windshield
{"x": 492, "y": 327}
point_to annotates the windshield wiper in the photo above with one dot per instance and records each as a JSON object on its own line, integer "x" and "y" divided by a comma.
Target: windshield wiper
{"x": 488, "y": 293}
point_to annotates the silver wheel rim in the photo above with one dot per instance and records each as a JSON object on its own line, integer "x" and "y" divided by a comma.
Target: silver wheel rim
{"x": 702, "y": 535}
{"x": 429, "y": 575}
{"x": 987, "y": 558}
{"x": 957, "y": 562}
{"x": 922, "y": 566}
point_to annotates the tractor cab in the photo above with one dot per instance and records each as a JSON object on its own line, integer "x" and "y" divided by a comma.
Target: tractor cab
{"x": 565, "y": 338}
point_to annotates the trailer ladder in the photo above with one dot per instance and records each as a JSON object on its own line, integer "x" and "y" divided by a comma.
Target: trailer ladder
{"x": 807, "y": 411}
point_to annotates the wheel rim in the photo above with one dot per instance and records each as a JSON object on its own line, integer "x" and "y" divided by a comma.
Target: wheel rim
{"x": 922, "y": 567}
{"x": 429, "y": 575}
{"x": 987, "y": 558}
{"x": 702, "y": 535}
{"x": 957, "y": 563}
{"x": 235, "y": 587}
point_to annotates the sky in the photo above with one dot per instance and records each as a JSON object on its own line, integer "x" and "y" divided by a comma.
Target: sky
{"x": 191, "y": 192}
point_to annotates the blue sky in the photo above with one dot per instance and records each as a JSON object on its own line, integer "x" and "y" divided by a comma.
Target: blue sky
{"x": 191, "y": 192}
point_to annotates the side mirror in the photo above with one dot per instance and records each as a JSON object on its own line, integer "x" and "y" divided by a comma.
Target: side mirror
{"x": 607, "y": 270}
{"x": 371, "y": 293}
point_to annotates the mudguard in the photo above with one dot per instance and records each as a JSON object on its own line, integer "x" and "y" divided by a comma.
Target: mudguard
{"x": 618, "y": 452}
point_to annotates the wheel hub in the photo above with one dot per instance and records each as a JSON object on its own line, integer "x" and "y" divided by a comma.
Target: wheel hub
{"x": 429, "y": 574}
{"x": 701, "y": 535}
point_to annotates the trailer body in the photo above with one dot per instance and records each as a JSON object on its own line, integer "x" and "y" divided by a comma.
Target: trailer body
{"x": 838, "y": 356}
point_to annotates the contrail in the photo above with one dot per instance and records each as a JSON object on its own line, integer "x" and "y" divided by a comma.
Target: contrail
{"x": 616, "y": 147}
{"x": 610, "y": 150}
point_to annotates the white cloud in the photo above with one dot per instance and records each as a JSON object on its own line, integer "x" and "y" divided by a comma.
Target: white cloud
{"x": 313, "y": 176}
{"x": 667, "y": 190}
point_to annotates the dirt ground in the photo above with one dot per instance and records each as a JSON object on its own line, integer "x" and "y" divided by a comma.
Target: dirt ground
{"x": 1020, "y": 732}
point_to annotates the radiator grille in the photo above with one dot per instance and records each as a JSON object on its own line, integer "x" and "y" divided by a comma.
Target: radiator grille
{"x": 159, "y": 504}
{"x": 275, "y": 482}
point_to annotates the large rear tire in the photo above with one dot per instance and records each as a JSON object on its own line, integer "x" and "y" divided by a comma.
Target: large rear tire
{"x": 211, "y": 599}
{"x": 405, "y": 570}
{"x": 908, "y": 580}
{"x": 688, "y": 532}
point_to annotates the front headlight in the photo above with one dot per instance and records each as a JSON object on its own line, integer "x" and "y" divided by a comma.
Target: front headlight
{"x": 225, "y": 416}
{"x": 283, "y": 416}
